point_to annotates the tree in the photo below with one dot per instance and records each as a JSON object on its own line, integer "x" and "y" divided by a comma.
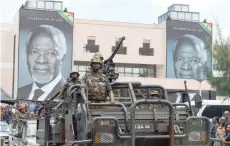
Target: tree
{"x": 221, "y": 58}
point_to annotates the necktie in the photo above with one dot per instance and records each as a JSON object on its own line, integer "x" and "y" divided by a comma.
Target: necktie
{"x": 37, "y": 93}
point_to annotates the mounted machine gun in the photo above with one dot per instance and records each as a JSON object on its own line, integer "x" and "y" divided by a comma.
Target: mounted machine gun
{"x": 109, "y": 65}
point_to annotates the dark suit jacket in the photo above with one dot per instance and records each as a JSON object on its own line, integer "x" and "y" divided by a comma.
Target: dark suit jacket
{"x": 24, "y": 92}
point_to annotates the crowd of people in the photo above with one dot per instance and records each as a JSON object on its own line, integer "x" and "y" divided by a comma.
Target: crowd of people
{"x": 6, "y": 113}
{"x": 221, "y": 130}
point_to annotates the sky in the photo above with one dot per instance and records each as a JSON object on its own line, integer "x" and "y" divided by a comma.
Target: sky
{"x": 133, "y": 11}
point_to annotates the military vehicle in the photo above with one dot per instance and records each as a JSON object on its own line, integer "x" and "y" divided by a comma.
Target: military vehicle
{"x": 134, "y": 120}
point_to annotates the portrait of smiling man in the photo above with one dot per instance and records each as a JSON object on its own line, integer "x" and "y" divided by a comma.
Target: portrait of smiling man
{"x": 189, "y": 57}
{"x": 46, "y": 50}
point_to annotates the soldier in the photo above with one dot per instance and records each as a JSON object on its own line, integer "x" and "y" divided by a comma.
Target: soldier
{"x": 73, "y": 79}
{"x": 21, "y": 118}
{"x": 95, "y": 84}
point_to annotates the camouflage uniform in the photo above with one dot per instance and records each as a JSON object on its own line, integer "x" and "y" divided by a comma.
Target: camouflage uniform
{"x": 69, "y": 83}
{"x": 97, "y": 85}
{"x": 73, "y": 79}
{"x": 21, "y": 118}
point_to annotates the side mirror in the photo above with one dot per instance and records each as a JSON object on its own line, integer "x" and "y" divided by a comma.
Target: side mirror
{"x": 198, "y": 101}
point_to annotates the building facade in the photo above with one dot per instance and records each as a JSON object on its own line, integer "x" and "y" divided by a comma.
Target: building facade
{"x": 142, "y": 56}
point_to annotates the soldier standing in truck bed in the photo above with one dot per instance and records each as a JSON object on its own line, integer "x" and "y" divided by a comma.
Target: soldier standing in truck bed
{"x": 73, "y": 79}
{"x": 95, "y": 84}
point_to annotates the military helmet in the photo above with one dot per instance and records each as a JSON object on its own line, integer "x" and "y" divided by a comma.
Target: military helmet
{"x": 72, "y": 73}
{"x": 99, "y": 54}
{"x": 153, "y": 92}
{"x": 96, "y": 59}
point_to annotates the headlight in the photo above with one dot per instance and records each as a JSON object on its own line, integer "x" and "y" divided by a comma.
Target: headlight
{"x": 197, "y": 136}
{"x": 104, "y": 138}
{"x": 194, "y": 136}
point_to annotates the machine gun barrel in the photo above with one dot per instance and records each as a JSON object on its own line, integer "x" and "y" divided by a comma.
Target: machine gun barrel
{"x": 115, "y": 51}
{"x": 109, "y": 62}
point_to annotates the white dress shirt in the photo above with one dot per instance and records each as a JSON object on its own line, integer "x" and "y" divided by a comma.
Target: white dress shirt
{"x": 46, "y": 88}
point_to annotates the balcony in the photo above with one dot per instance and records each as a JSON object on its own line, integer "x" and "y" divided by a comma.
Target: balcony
{"x": 49, "y": 5}
{"x": 181, "y": 13}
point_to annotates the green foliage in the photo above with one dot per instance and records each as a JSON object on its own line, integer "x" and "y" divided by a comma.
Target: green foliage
{"x": 221, "y": 58}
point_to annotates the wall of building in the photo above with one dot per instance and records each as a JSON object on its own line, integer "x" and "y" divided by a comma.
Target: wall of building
{"x": 6, "y": 58}
{"x": 105, "y": 34}
{"x": 9, "y": 56}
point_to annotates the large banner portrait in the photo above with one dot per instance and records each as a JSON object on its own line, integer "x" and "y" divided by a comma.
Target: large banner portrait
{"x": 45, "y": 53}
{"x": 188, "y": 49}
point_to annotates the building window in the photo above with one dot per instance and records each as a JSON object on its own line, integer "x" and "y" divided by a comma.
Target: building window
{"x": 136, "y": 70}
{"x": 121, "y": 69}
{"x": 91, "y": 46}
{"x": 124, "y": 70}
{"x": 181, "y": 15}
{"x": 151, "y": 72}
{"x": 127, "y": 70}
{"x": 75, "y": 68}
{"x": 177, "y": 7}
{"x": 173, "y": 15}
{"x": 41, "y": 5}
{"x": 143, "y": 72}
{"x": 195, "y": 17}
{"x": 185, "y": 8}
{"x": 82, "y": 68}
{"x": 188, "y": 16}
{"x": 57, "y": 6}
{"x": 122, "y": 50}
{"x": 145, "y": 50}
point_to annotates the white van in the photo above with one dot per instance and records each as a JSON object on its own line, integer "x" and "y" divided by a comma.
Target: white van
{"x": 212, "y": 108}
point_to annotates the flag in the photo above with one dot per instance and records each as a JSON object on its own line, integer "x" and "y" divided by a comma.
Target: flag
{"x": 68, "y": 16}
